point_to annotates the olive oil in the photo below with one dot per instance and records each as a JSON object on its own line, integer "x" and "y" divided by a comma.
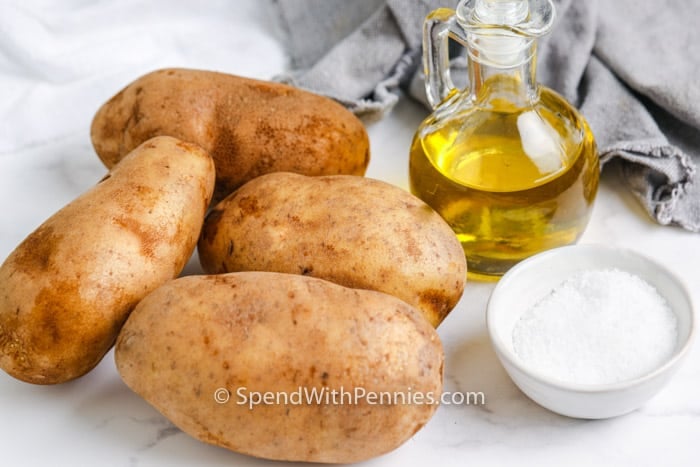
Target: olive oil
{"x": 508, "y": 163}
{"x": 503, "y": 203}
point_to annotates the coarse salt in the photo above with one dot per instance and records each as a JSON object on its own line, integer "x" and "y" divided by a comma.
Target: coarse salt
{"x": 597, "y": 327}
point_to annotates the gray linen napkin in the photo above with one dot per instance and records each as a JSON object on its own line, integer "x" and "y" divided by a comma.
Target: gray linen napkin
{"x": 631, "y": 67}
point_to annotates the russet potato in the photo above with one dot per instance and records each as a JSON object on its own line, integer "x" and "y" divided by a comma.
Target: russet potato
{"x": 353, "y": 231}
{"x": 68, "y": 287}
{"x": 200, "y": 347}
{"x": 250, "y": 127}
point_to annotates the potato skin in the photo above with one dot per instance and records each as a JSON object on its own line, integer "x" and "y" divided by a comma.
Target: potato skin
{"x": 66, "y": 290}
{"x": 353, "y": 231}
{"x": 249, "y": 127}
{"x": 265, "y": 331}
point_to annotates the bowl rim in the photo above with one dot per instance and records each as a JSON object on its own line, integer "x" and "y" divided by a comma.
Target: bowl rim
{"x": 505, "y": 353}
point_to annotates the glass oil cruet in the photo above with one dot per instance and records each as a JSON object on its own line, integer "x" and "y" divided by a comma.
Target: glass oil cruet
{"x": 508, "y": 163}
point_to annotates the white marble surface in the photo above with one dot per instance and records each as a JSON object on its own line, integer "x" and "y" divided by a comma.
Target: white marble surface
{"x": 97, "y": 420}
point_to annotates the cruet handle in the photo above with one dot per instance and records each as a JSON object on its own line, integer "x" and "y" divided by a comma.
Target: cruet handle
{"x": 439, "y": 26}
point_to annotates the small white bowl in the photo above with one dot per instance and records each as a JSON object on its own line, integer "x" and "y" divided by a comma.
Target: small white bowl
{"x": 532, "y": 279}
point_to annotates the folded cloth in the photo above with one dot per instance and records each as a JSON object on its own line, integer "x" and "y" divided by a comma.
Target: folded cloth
{"x": 630, "y": 67}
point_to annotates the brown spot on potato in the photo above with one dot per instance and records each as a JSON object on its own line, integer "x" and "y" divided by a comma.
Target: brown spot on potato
{"x": 265, "y": 163}
{"x": 267, "y": 90}
{"x": 137, "y": 114}
{"x": 225, "y": 150}
{"x": 328, "y": 248}
{"x": 36, "y": 253}
{"x": 412, "y": 246}
{"x": 264, "y": 130}
{"x": 59, "y": 335}
{"x": 149, "y": 238}
{"x": 436, "y": 301}
{"x": 249, "y": 206}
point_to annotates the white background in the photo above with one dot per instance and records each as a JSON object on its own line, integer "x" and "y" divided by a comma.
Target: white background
{"x": 59, "y": 61}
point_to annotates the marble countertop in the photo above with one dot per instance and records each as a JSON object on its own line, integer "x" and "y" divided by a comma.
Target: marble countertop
{"x": 97, "y": 420}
